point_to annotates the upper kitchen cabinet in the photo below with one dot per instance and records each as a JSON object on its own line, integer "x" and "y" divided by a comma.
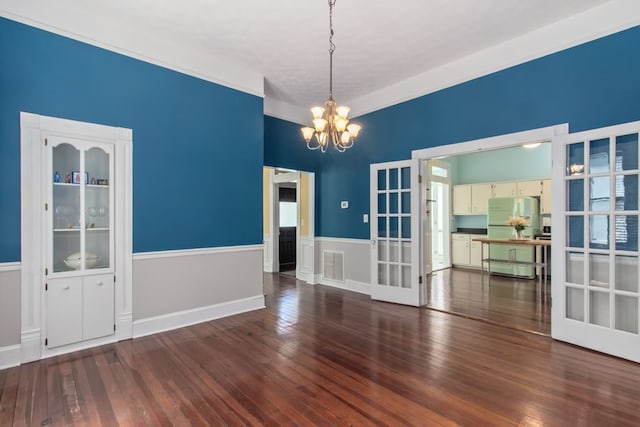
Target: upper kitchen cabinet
{"x": 471, "y": 199}
{"x": 529, "y": 188}
{"x": 503, "y": 189}
{"x": 545, "y": 197}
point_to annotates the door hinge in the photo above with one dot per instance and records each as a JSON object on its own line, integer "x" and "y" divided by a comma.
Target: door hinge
{"x": 46, "y": 341}
{"x": 46, "y": 286}
{"x": 45, "y": 142}
{"x": 420, "y": 279}
{"x": 46, "y": 206}
{"x": 114, "y": 278}
{"x": 420, "y": 179}
{"x": 114, "y": 327}
{"x": 46, "y": 271}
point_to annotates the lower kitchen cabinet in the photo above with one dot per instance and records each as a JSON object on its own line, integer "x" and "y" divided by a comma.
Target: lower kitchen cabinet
{"x": 79, "y": 308}
{"x": 464, "y": 251}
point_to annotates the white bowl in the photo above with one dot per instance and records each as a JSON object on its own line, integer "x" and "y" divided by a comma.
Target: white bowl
{"x": 73, "y": 260}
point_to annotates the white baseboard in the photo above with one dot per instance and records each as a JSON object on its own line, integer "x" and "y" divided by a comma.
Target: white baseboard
{"x": 179, "y": 319}
{"x": 9, "y": 356}
{"x": 30, "y": 346}
{"x": 349, "y": 285}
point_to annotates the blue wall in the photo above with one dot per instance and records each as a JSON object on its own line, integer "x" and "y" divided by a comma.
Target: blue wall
{"x": 589, "y": 86}
{"x": 190, "y": 138}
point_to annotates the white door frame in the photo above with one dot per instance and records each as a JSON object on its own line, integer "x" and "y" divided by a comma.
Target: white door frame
{"x": 33, "y": 130}
{"x": 428, "y": 254}
{"x": 304, "y": 246}
{"x": 545, "y": 134}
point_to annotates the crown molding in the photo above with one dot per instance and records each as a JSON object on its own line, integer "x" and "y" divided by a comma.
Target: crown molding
{"x": 286, "y": 111}
{"x": 164, "y": 53}
{"x": 589, "y": 25}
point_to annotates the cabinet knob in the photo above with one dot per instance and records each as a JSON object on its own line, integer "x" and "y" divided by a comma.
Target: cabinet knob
{"x": 99, "y": 283}
{"x": 66, "y": 288}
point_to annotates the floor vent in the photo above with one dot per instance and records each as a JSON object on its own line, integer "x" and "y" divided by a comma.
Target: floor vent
{"x": 333, "y": 265}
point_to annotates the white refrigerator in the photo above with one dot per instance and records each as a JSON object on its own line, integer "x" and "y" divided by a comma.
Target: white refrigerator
{"x": 499, "y": 211}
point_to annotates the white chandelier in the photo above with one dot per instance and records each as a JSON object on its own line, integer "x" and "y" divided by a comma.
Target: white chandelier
{"x": 330, "y": 122}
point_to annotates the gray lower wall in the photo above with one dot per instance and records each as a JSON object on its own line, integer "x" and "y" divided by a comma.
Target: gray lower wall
{"x": 169, "y": 284}
{"x": 357, "y": 257}
{"x": 9, "y": 308}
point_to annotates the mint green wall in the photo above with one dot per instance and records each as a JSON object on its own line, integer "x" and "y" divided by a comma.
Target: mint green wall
{"x": 508, "y": 164}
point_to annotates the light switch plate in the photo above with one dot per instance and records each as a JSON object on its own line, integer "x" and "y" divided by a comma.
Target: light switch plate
{"x": 365, "y": 218}
{"x": 344, "y": 204}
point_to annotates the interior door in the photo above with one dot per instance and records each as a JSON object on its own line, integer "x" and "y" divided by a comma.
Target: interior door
{"x": 595, "y": 283}
{"x": 395, "y": 220}
{"x": 436, "y": 215}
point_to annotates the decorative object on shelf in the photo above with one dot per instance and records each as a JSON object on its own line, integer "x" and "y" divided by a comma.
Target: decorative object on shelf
{"x": 73, "y": 260}
{"x": 93, "y": 181}
{"x": 67, "y": 179}
{"x": 100, "y": 181}
{"x": 75, "y": 177}
{"x": 518, "y": 223}
{"x": 56, "y": 177}
{"x": 330, "y": 122}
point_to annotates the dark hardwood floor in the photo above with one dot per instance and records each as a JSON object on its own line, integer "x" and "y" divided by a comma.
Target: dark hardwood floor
{"x": 516, "y": 303}
{"x": 323, "y": 356}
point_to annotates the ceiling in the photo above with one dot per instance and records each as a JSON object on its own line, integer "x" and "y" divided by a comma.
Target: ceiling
{"x": 378, "y": 44}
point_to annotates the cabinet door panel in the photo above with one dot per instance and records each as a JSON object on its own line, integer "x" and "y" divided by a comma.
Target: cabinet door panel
{"x": 504, "y": 189}
{"x": 98, "y": 306}
{"x": 64, "y": 311}
{"x": 545, "y": 197}
{"x": 529, "y": 188}
{"x": 461, "y": 199}
{"x": 475, "y": 254}
{"x": 480, "y": 195}
{"x": 460, "y": 249}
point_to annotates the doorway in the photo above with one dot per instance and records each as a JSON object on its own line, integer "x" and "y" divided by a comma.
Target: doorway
{"x": 438, "y": 209}
{"x": 287, "y": 227}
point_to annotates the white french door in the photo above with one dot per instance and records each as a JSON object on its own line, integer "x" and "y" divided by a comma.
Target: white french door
{"x": 395, "y": 223}
{"x": 595, "y": 286}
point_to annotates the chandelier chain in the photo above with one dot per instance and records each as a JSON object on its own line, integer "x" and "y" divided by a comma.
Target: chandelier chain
{"x": 332, "y": 46}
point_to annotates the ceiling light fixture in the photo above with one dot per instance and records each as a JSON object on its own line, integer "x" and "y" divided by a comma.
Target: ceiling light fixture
{"x": 330, "y": 122}
{"x": 532, "y": 145}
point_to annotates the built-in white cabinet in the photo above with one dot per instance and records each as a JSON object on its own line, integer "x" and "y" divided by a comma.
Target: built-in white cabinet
{"x": 545, "y": 197}
{"x": 503, "y": 189}
{"x": 79, "y": 239}
{"x": 464, "y": 251}
{"x": 79, "y": 309}
{"x": 471, "y": 199}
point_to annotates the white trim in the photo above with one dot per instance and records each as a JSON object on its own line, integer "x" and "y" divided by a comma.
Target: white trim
{"x": 198, "y": 251}
{"x": 179, "y": 319}
{"x": 10, "y": 266}
{"x": 348, "y": 285}
{"x": 609, "y": 18}
{"x": 164, "y": 53}
{"x": 30, "y": 345}
{"x": 9, "y": 356}
{"x": 343, "y": 240}
{"x": 285, "y": 111}
{"x": 492, "y": 143}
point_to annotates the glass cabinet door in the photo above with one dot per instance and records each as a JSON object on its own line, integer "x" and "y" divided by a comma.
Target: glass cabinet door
{"x": 82, "y": 200}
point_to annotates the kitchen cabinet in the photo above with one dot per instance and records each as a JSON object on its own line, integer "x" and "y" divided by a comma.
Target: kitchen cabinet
{"x": 464, "y": 251}
{"x": 461, "y": 200}
{"x": 471, "y": 199}
{"x": 503, "y": 189}
{"x": 529, "y": 188}
{"x": 545, "y": 197}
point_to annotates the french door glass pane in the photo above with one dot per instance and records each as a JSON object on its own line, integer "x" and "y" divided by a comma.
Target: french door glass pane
{"x": 627, "y": 232}
{"x": 575, "y": 268}
{"x": 393, "y": 179}
{"x": 575, "y": 195}
{"x": 382, "y": 250}
{"x": 393, "y": 203}
{"x": 575, "y": 304}
{"x": 599, "y": 231}
{"x": 406, "y": 178}
{"x": 406, "y": 276}
{"x": 599, "y": 196}
{"x": 627, "y": 152}
{"x": 599, "y": 156}
{"x": 382, "y": 179}
{"x": 406, "y": 202}
{"x": 394, "y": 252}
{"x": 575, "y": 231}
{"x": 393, "y": 227}
{"x": 406, "y": 252}
{"x": 382, "y": 203}
{"x": 626, "y": 309}
{"x": 626, "y": 273}
{"x": 599, "y": 270}
{"x": 394, "y": 275}
{"x": 575, "y": 158}
{"x": 626, "y": 192}
{"x": 382, "y": 227}
{"x": 599, "y": 308}
{"x": 382, "y": 274}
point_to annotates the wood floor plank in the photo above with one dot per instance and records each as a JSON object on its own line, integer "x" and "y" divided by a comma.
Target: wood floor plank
{"x": 323, "y": 356}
